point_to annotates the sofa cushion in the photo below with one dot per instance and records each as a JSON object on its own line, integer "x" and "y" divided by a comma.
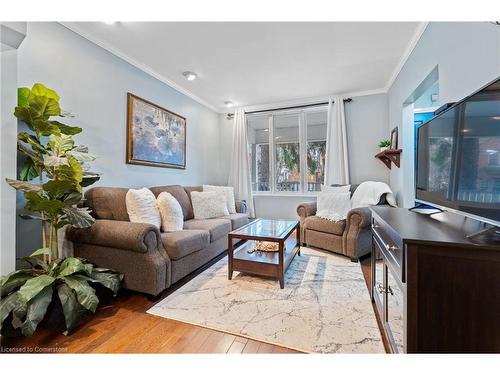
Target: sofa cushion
{"x": 237, "y": 220}
{"x": 180, "y": 194}
{"x": 323, "y": 225}
{"x": 217, "y": 227}
{"x": 184, "y": 242}
{"x": 107, "y": 203}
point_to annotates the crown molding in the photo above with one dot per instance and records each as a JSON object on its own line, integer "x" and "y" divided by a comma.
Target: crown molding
{"x": 411, "y": 46}
{"x": 140, "y": 66}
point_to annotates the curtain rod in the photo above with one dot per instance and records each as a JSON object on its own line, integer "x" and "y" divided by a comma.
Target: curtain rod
{"x": 347, "y": 100}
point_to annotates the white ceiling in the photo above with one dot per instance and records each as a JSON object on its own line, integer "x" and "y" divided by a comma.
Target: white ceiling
{"x": 260, "y": 63}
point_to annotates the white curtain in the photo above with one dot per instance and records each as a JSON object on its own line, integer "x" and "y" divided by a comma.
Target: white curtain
{"x": 239, "y": 172}
{"x": 337, "y": 163}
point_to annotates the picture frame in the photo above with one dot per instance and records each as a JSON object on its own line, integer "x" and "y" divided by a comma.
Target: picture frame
{"x": 156, "y": 137}
{"x": 394, "y": 139}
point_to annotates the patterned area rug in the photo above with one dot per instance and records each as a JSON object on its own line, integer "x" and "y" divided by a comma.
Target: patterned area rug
{"x": 324, "y": 308}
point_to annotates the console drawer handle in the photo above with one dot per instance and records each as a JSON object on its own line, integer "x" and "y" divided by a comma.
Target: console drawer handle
{"x": 380, "y": 288}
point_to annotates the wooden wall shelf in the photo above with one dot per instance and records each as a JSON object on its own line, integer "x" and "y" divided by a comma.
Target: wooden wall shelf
{"x": 390, "y": 156}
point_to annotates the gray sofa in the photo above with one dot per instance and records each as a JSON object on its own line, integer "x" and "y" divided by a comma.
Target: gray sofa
{"x": 150, "y": 260}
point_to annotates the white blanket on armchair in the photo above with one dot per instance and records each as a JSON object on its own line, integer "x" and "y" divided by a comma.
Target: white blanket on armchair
{"x": 369, "y": 193}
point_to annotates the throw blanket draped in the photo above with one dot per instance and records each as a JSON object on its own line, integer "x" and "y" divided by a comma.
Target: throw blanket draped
{"x": 369, "y": 193}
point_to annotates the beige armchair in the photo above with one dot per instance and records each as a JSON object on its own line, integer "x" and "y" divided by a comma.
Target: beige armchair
{"x": 350, "y": 237}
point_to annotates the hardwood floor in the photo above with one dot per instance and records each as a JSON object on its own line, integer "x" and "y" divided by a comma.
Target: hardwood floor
{"x": 121, "y": 325}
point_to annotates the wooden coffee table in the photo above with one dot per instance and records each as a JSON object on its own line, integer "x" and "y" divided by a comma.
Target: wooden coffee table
{"x": 274, "y": 264}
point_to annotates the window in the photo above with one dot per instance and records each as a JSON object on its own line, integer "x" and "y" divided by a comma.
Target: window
{"x": 287, "y": 150}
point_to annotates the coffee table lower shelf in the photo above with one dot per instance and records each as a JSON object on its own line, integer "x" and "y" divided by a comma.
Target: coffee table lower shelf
{"x": 264, "y": 263}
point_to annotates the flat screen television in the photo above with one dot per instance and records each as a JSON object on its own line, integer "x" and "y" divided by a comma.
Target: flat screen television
{"x": 458, "y": 157}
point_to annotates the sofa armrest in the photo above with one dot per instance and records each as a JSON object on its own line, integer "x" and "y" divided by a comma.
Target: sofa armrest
{"x": 359, "y": 217}
{"x": 138, "y": 237}
{"x": 241, "y": 206}
{"x": 306, "y": 209}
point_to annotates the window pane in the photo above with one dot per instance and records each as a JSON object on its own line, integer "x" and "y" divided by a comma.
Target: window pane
{"x": 316, "y": 149}
{"x": 286, "y": 144}
{"x": 258, "y": 145}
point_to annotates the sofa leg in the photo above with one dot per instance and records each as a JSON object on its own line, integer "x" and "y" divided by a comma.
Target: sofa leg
{"x": 354, "y": 260}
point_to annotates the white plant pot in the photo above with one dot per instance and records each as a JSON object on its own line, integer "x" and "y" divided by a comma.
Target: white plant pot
{"x": 383, "y": 149}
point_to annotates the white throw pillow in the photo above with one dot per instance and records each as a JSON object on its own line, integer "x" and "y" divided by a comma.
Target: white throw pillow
{"x": 171, "y": 215}
{"x": 141, "y": 207}
{"x": 208, "y": 204}
{"x": 333, "y": 206}
{"x": 228, "y": 192}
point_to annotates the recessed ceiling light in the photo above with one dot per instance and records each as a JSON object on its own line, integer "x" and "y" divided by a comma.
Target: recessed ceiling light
{"x": 190, "y": 76}
{"x": 229, "y": 103}
{"x": 109, "y": 22}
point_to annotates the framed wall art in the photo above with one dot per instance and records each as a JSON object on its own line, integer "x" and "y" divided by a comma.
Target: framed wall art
{"x": 155, "y": 136}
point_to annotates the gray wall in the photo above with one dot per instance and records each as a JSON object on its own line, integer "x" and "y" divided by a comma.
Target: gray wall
{"x": 467, "y": 55}
{"x": 93, "y": 85}
{"x": 367, "y": 124}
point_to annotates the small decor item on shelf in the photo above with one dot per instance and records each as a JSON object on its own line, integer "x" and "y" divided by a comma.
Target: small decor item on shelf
{"x": 266, "y": 246}
{"x": 384, "y": 144}
{"x": 394, "y": 139}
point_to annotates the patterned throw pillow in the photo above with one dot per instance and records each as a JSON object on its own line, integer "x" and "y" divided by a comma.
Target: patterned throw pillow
{"x": 208, "y": 204}
{"x": 228, "y": 192}
{"x": 172, "y": 218}
{"x": 141, "y": 207}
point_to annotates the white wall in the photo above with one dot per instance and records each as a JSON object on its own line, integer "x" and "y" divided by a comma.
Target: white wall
{"x": 93, "y": 85}
{"x": 467, "y": 55}
{"x": 367, "y": 124}
{"x": 11, "y": 35}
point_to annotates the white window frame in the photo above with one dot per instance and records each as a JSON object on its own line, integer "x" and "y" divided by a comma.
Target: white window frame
{"x": 302, "y": 150}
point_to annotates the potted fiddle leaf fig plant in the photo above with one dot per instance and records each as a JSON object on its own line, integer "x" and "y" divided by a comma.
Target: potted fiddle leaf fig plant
{"x": 54, "y": 171}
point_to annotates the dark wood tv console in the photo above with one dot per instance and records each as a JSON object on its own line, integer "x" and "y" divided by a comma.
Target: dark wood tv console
{"x": 435, "y": 289}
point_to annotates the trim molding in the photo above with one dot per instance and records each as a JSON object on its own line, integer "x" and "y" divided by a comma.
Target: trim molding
{"x": 413, "y": 43}
{"x": 140, "y": 66}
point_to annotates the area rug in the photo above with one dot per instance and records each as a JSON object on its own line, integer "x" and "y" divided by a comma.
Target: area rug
{"x": 324, "y": 308}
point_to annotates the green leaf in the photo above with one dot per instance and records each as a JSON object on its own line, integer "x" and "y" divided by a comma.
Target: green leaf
{"x": 38, "y": 203}
{"x": 73, "y": 198}
{"x": 36, "y": 310}
{"x": 23, "y": 94}
{"x": 42, "y": 107}
{"x": 79, "y": 217}
{"x": 24, "y": 114}
{"x": 42, "y": 251}
{"x": 14, "y": 280}
{"x": 7, "y": 305}
{"x": 54, "y": 161}
{"x": 110, "y": 279}
{"x": 89, "y": 180}
{"x": 82, "y": 157}
{"x": 84, "y": 292}
{"x": 28, "y": 171}
{"x": 72, "y": 309}
{"x": 69, "y": 266}
{"x": 32, "y": 141}
{"x": 46, "y": 128}
{"x": 42, "y": 90}
{"x": 34, "y": 286}
{"x": 72, "y": 172}
{"x": 57, "y": 188}
{"x": 66, "y": 129}
{"x": 23, "y": 186}
{"x": 60, "y": 144}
